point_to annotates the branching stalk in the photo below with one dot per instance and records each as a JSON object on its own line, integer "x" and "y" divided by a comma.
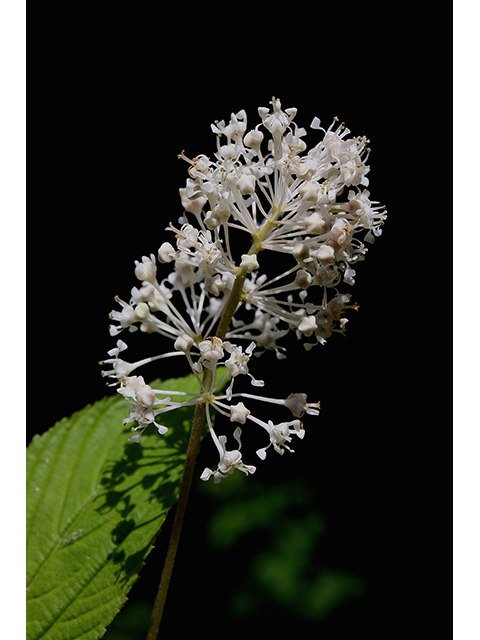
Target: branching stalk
{"x": 233, "y": 301}
{"x": 192, "y": 450}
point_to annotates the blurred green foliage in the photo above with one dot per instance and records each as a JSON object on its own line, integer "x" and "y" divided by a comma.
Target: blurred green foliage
{"x": 259, "y": 550}
{"x": 287, "y": 567}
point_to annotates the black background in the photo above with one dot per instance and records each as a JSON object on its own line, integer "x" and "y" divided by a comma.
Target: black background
{"x": 121, "y": 91}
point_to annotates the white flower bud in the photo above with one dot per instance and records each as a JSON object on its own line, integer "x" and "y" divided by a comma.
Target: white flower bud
{"x": 222, "y": 211}
{"x": 246, "y": 184}
{"x": 253, "y": 139}
{"x": 142, "y": 311}
{"x": 183, "y": 343}
{"x": 166, "y": 253}
{"x": 194, "y": 205}
{"x": 301, "y": 252}
{"x": 307, "y": 325}
{"x": 239, "y": 413}
{"x": 303, "y": 279}
{"x": 249, "y": 262}
{"x": 211, "y": 221}
{"x": 309, "y": 191}
{"x": 314, "y": 223}
{"x": 325, "y": 254}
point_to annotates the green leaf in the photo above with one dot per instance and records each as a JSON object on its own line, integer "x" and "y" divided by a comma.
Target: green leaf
{"x": 95, "y": 503}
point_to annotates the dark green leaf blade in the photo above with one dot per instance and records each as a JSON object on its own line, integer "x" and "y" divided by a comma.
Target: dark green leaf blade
{"x": 95, "y": 503}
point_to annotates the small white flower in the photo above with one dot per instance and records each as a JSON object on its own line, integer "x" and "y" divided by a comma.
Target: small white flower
{"x": 120, "y": 368}
{"x": 339, "y": 231}
{"x": 142, "y": 398}
{"x": 235, "y": 129}
{"x": 212, "y": 349}
{"x": 237, "y": 364}
{"x": 238, "y": 361}
{"x": 147, "y": 269}
{"x": 187, "y": 237}
{"x": 126, "y": 317}
{"x": 278, "y": 120}
{"x": 229, "y": 460}
{"x": 297, "y": 403}
{"x": 280, "y": 434}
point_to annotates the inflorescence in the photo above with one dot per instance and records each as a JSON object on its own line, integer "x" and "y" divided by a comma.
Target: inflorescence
{"x": 309, "y": 205}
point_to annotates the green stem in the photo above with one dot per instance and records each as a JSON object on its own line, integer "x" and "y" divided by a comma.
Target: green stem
{"x": 196, "y": 434}
{"x": 237, "y": 290}
{"x": 193, "y": 445}
{"x": 232, "y": 304}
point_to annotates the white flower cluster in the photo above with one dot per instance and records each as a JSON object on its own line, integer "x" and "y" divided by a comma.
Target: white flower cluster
{"x": 310, "y": 205}
{"x": 263, "y": 185}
